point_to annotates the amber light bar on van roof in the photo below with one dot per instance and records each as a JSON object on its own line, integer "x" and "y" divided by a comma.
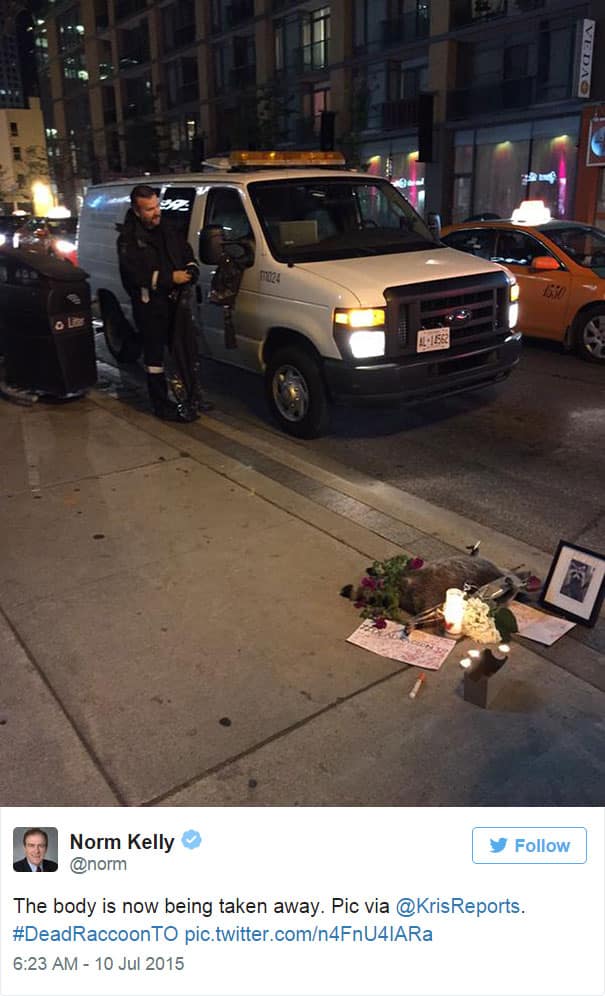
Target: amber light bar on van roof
{"x": 312, "y": 157}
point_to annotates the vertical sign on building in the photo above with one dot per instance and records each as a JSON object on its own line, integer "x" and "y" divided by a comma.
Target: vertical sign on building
{"x": 583, "y": 62}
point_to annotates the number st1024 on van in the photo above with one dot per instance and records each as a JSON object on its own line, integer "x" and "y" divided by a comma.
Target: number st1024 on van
{"x": 346, "y": 295}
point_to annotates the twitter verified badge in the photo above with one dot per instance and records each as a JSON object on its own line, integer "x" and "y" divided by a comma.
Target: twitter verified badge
{"x": 530, "y": 845}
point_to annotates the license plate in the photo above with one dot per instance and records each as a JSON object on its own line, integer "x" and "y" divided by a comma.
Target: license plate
{"x": 429, "y": 339}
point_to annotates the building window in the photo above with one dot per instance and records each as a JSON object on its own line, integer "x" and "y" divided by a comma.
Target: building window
{"x": 14, "y": 129}
{"x": 20, "y": 179}
{"x": 279, "y": 39}
{"x": 16, "y": 153}
{"x": 315, "y": 39}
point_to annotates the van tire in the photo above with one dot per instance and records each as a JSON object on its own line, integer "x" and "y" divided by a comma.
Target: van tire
{"x": 120, "y": 340}
{"x": 589, "y": 334}
{"x": 296, "y": 392}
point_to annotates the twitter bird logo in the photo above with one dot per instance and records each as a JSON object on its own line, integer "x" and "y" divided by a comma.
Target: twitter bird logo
{"x": 498, "y": 845}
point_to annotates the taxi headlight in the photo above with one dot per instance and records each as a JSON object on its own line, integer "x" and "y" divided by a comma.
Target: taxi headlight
{"x": 366, "y": 343}
{"x": 62, "y": 245}
{"x": 513, "y": 315}
{"x": 2, "y": 239}
{"x": 514, "y": 292}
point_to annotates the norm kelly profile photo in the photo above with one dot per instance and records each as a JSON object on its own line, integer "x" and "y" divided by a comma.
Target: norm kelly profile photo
{"x": 35, "y": 844}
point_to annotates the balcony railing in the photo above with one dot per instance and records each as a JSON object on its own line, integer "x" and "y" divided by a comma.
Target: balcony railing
{"x": 505, "y": 95}
{"x": 241, "y": 76}
{"x": 465, "y": 12}
{"x": 408, "y": 28}
{"x": 400, "y": 113}
{"x": 240, "y": 10}
{"x": 313, "y": 57}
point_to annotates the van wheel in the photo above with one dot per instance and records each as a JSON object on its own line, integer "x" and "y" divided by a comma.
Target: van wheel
{"x": 589, "y": 334}
{"x": 296, "y": 393}
{"x": 119, "y": 337}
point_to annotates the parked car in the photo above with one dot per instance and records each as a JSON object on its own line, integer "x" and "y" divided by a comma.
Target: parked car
{"x": 55, "y": 236}
{"x": 9, "y": 225}
{"x": 560, "y": 267}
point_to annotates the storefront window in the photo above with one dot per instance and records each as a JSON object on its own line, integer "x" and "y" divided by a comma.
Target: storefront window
{"x": 499, "y": 172}
{"x": 405, "y": 172}
{"x": 552, "y": 173}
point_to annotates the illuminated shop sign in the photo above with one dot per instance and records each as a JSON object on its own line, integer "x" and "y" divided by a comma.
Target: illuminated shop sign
{"x": 583, "y": 62}
{"x": 405, "y": 183}
{"x": 539, "y": 177}
{"x": 595, "y": 152}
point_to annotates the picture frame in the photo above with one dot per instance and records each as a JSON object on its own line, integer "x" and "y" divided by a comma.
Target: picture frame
{"x": 575, "y": 584}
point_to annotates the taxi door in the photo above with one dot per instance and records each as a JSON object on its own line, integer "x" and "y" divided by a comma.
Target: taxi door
{"x": 544, "y": 298}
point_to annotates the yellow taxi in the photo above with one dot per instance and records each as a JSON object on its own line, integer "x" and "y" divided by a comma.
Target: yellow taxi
{"x": 560, "y": 268}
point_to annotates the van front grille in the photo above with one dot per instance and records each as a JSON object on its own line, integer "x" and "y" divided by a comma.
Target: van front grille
{"x": 473, "y": 308}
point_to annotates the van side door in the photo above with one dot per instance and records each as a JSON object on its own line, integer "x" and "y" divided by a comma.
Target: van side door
{"x": 225, "y": 207}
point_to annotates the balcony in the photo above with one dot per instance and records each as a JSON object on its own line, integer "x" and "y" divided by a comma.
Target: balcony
{"x": 243, "y": 76}
{"x": 241, "y": 10}
{"x": 126, "y": 8}
{"x": 188, "y": 92}
{"x": 136, "y": 56}
{"x": 405, "y": 29}
{"x": 305, "y": 132}
{"x": 312, "y": 58}
{"x": 466, "y": 12}
{"x": 502, "y": 96}
{"x": 400, "y": 114}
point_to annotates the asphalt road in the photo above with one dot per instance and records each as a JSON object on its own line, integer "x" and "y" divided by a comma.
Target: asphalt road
{"x": 525, "y": 458}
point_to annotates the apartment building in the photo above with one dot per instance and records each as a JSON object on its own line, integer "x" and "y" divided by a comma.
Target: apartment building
{"x": 467, "y": 105}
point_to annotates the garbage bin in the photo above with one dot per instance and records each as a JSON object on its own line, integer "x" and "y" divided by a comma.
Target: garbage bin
{"x": 45, "y": 324}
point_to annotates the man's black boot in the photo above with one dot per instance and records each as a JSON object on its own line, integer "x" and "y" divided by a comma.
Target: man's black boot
{"x": 160, "y": 404}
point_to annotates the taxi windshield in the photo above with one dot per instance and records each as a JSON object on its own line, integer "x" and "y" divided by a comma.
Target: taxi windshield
{"x": 309, "y": 220}
{"x": 583, "y": 243}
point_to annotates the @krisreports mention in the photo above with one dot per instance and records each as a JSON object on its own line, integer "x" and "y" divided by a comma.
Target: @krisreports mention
{"x": 132, "y": 842}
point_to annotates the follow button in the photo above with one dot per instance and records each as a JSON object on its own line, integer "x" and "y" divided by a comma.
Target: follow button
{"x": 530, "y": 845}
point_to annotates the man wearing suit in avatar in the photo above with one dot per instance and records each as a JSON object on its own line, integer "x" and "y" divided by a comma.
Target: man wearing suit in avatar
{"x": 35, "y": 844}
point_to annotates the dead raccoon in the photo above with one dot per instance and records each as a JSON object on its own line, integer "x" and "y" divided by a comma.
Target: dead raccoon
{"x": 424, "y": 588}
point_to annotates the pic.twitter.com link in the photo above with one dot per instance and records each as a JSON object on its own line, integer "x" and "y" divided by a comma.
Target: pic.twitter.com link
{"x": 302, "y": 902}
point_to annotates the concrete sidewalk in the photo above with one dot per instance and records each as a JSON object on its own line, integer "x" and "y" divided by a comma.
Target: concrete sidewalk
{"x": 171, "y": 632}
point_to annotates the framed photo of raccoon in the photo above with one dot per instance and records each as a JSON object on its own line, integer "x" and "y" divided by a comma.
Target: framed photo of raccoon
{"x": 575, "y": 584}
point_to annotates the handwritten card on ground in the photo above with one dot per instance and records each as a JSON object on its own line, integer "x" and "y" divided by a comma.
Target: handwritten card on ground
{"x": 538, "y": 626}
{"x": 419, "y": 648}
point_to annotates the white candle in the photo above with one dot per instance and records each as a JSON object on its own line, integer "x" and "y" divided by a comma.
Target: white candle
{"x": 474, "y": 653}
{"x": 504, "y": 648}
{"x": 453, "y": 611}
{"x": 465, "y": 662}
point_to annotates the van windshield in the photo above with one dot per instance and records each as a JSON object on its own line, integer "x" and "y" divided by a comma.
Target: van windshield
{"x": 306, "y": 220}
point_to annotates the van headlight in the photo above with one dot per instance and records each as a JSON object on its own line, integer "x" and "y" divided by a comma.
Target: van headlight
{"x": 362, "y": 330}
{"x": 513, "y": 307}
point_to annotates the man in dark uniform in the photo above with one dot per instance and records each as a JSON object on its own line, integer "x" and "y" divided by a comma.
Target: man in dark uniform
{"x": 35, "y": 844}
{"x": 156, "y": 264}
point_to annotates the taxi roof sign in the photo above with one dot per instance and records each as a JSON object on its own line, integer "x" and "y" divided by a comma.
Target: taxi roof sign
{"x": 285, "y": 158}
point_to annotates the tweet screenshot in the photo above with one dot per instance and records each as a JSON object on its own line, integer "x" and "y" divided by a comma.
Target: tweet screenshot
{"x": 342, "y": 902}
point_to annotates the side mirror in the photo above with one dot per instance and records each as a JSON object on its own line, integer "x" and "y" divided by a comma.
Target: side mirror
{"x": 211, "y": 244}
{"x": 433, "y": 221}
{"x": 545, "y": 263}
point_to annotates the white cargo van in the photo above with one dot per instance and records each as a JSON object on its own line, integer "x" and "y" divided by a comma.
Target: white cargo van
{"x": 348, "y": 296}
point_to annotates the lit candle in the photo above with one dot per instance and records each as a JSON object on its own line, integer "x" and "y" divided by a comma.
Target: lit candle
{"x": 453, "y": 611}
{"x": 474, "y": 653}
{"x": 465, "y": 662}
{"x": 504, "y": 648}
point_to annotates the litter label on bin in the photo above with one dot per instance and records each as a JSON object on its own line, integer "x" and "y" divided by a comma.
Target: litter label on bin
{"x": 63, "y": 323}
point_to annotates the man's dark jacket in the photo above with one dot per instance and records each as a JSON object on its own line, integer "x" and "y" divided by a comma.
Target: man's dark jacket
{"x": 145, "y": 271}
{"x": 22, "y": 866}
